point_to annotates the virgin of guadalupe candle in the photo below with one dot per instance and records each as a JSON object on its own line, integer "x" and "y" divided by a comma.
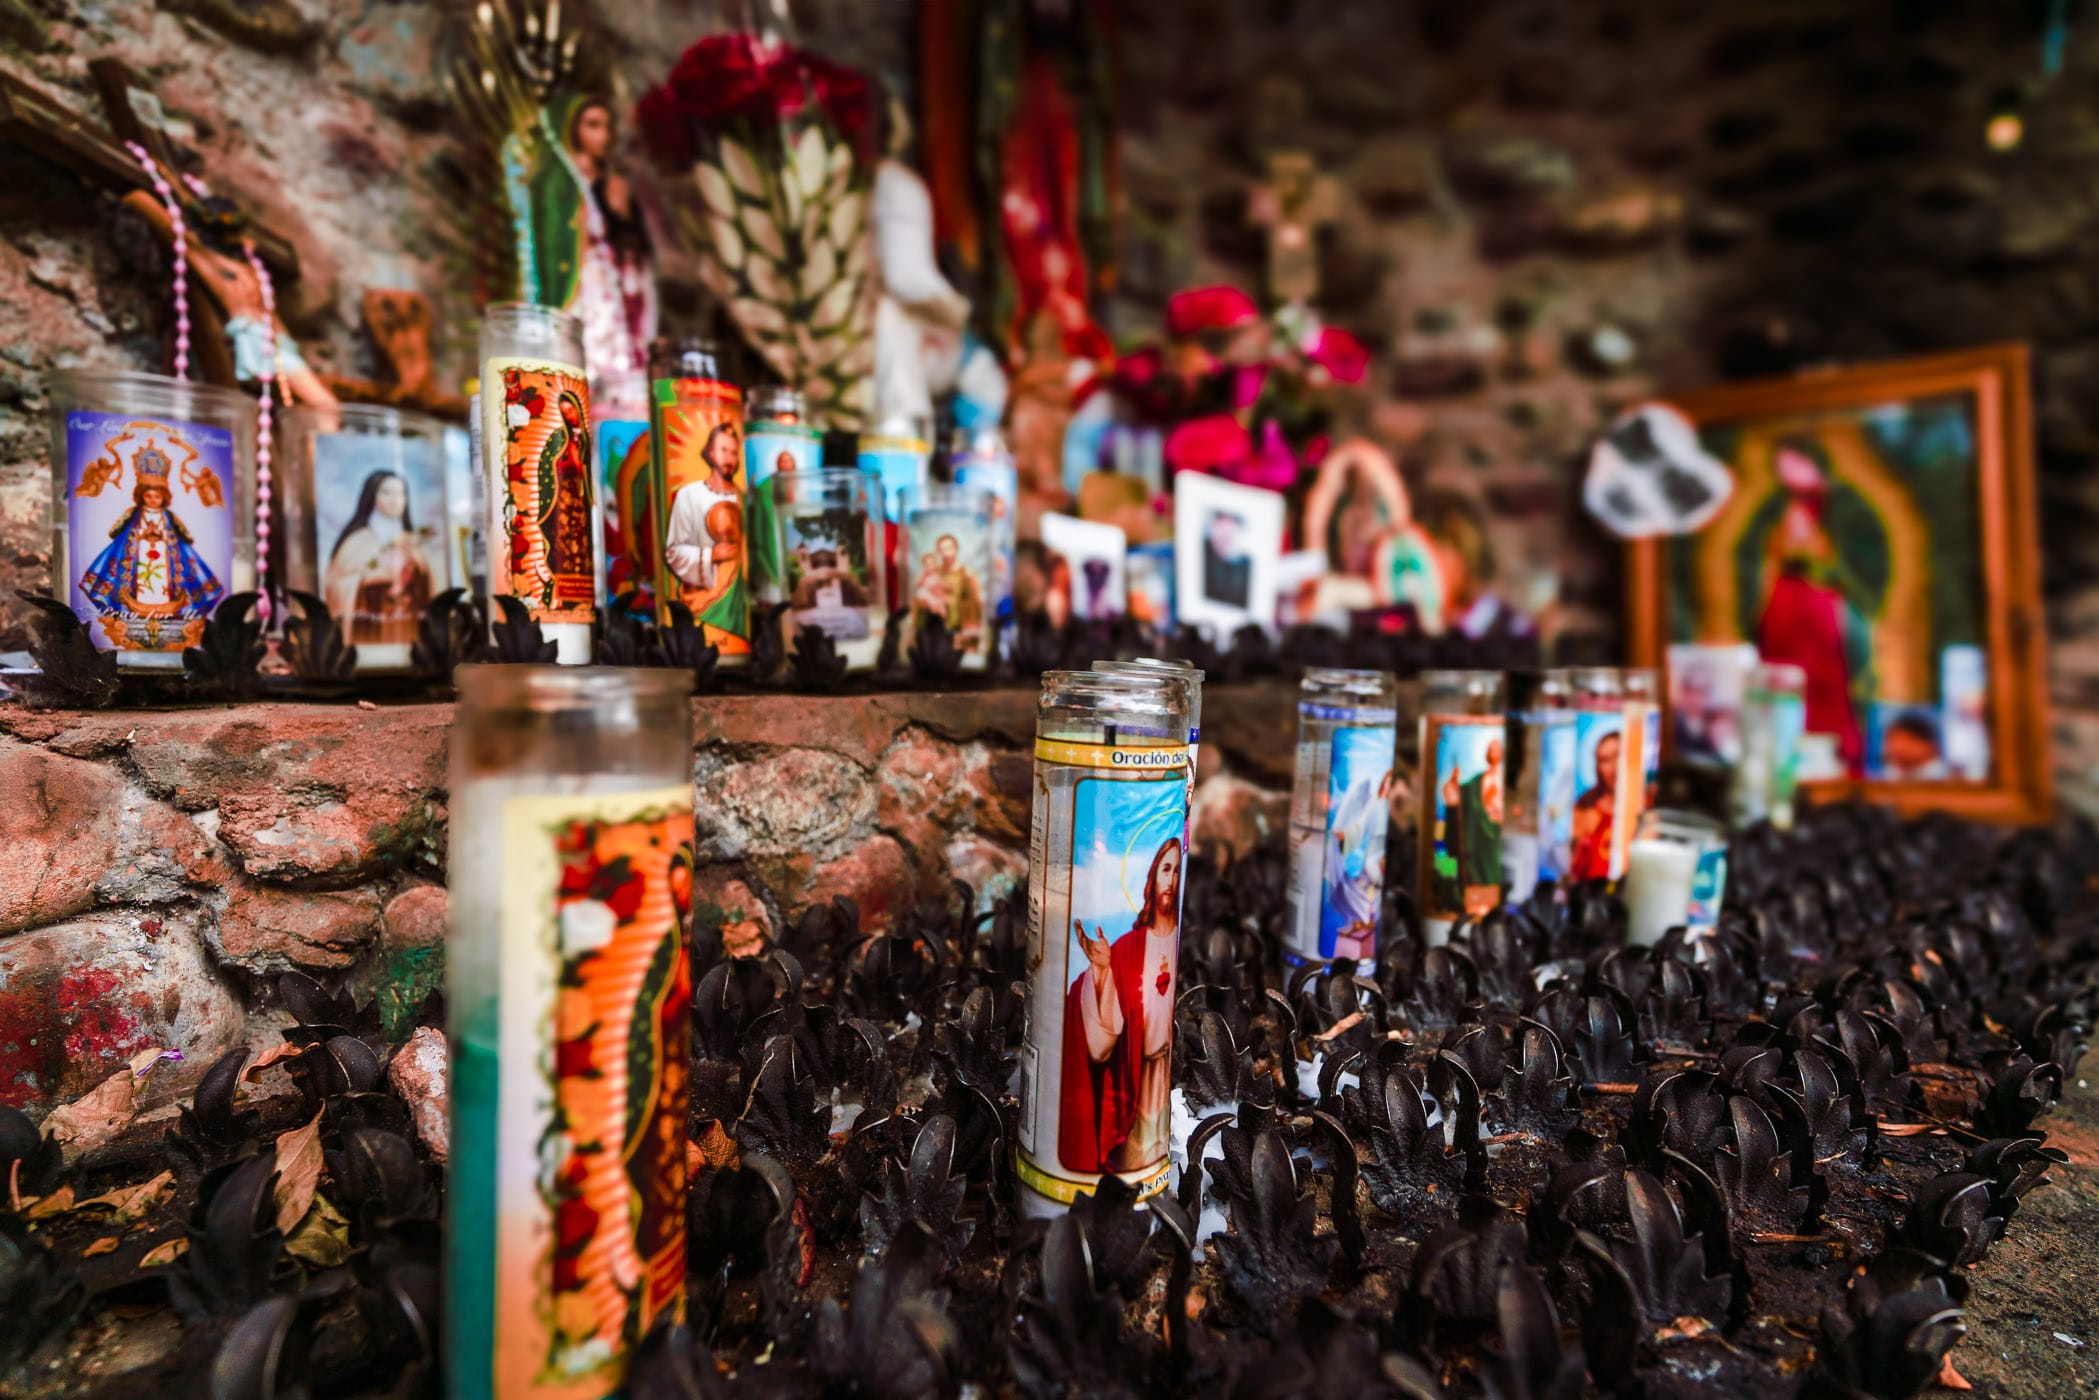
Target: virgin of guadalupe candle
{"x": 1540, "y": 765}
{"x": 1606, "y": 766}
{"x": 567, "y": 1000}
{"x": 1464, "y": 743}
{"x": 696, "y": 423}
{"x": 829, "y": 532}
{"x": 981, "y": 460}
{"x": 536, "y": 437}
{"x": 945, "y": 548}
{"x": 778, "y": 440}
{"x": 152, "y": 508}
{"x": 1104, "y": 910}
{"x": 1340, "y": 808}
{"x": 366, "y": 518}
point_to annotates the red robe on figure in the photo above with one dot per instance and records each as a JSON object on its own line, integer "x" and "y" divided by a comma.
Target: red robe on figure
{"x": 1100, "y": 1100}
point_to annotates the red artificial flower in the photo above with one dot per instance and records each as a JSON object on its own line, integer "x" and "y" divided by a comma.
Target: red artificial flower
{"x": 1208, "y": 444}
{"x": 1246, "y": 385}
{"x": 1340, "y": 354}
{"x": 1209, "y": 309}
{"x": 738, "y": 77}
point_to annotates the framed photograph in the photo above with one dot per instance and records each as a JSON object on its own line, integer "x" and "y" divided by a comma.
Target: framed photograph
{"x": 1881, "y": 537}
{"x": 1227, "y": 539}
{"x": 1087, "y": 563}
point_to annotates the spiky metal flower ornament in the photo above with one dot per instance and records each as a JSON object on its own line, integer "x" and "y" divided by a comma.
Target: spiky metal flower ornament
{"x": 776, "y": 140}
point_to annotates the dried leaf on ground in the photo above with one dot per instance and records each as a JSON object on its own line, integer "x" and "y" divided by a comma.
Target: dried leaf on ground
{"x": 130, "y": 1204}
{"x": 163, "y": 1254}
{"x": 106, "y": 1245}
{"x": 95, "y": 1119}
{"x": 298, "y": 1173}
{"x": 323, "y": 1237}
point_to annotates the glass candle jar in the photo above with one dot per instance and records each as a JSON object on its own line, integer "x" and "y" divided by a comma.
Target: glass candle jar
{"x": 1675, "y": 875}
{"x": 152, "y": 508}
{"x": 1461, "y": 797}
{"x": 1774, "y": 716}
{"x": 827, "y": 536}
{"x": 899, "y": 451}
{"x": 619, "y": 410}
{"x": 1604, "y": 774}
{"x": 1540, "y": 766}
{"x": 476, "y": 582}
{"x": 1643, "y": 730}
{"x": 945, "y": 549}
{"x": 981, "y": 459}
{"x": 778, "y": 439}
{"x": 1340, "y": 809}
{"x": 366, "y": 522}
{"x": 567, "y": 994}
{"x": 535, "y": 437}
{"x": 696, "y": 422}
{"x": 1154, "y": 666}
{"x": 1104, "y": 902}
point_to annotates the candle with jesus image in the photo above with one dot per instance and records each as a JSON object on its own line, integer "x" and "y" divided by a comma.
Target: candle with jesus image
{"x": 1105, "y": 875}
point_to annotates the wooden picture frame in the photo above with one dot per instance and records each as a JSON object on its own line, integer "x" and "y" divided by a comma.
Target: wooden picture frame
{"x": 1994, "y": 381}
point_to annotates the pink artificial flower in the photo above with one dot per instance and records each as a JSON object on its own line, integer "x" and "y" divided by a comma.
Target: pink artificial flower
{"x": 1213, "y": 443}
{"x": 1272, "y": 466}
{"x": 1246, "y": 384}
{"x": 1208, "y": 309}
{"x": 1340, "y": 355}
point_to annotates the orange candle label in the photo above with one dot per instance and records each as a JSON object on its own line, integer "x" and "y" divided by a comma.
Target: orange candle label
{"x": 590, "y": 1173}
{"x": 540, "y": 413}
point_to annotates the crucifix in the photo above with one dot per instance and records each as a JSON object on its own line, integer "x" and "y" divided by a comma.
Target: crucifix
{"x": 1293, "y": 205}
{"x": 233, "y": 307}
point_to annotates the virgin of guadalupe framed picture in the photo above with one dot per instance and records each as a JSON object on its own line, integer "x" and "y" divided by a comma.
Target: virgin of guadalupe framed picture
{"x": 1881, "y": 538}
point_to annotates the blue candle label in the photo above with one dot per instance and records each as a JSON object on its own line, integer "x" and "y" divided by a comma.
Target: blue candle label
{"x": 1556, "y": 770}
{"x": 149, "y": 528}
{"x": 1340, "y": 809}
{"x": 773, "y": 449}
{"x": 1708, "y": 888}
{"x": 1104, "y": 898}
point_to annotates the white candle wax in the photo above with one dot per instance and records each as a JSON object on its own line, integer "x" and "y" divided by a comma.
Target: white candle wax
{"x": 1657, "y": 887}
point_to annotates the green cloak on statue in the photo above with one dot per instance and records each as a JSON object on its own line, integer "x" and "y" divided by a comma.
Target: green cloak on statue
{"x": 553, "y": 198}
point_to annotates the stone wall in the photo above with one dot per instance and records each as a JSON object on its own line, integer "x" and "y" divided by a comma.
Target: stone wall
{"x": 162, "y": 867}
{"x": 1546, "y": 211}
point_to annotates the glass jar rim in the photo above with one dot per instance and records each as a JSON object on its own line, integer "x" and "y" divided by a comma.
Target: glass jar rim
{"x": 553, "y": 688}
{"x": 368, "y": 417}
{"x": 79, "y": 384}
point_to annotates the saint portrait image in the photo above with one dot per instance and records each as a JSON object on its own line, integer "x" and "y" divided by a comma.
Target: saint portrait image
{"x": 147, "y": 513}
{"x": 943, "y": 584}
{"x": 703, "y": 544}
{"x": 1359, "y": 798}
{"x": 1599, "y": 748}
{"x": 378, "y": 532}
{"x": 1469, "y": 811}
